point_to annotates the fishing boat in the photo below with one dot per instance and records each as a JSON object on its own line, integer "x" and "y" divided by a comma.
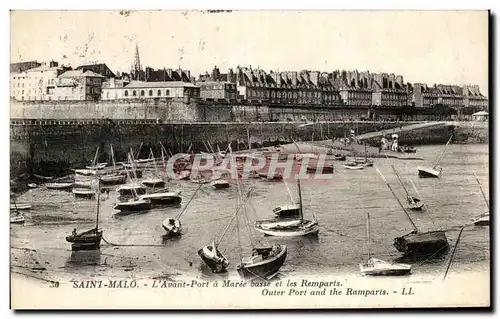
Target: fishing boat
{"x": 163, "y": 198}
{"x": 32, "y": 185}
{"x": 483, "y": 219}
{"x": 83, "y": 192}
{"x": 155, "y": 181}
{"x": 43, "y": 178}
{"x": 220, "y": 184}
{"x": 59, "y": 186}
{"x": 133, "y": 205}
{"x": 353, "y": 165}
{"x": 20, "y": 206}
{"x": 264, "y": 263}
{"x": 434, "y": 171}
{"x": 287, "y": 211}
{"x": 113, "y": 179}
{"x": 418, "y": 243}
{"x": 173, "y": 226}
{"x": 17, "y": 218}
{"x": 213, "y": 258}
{"x": 378, "y": 267}
{"x": 301, "y": 227}
{"x": 414, "y": 203}
{"x": 211, "y": 254}
{"x": 90, "y": 239}
{"x": 326, "y": 169}
{"x": 364, "y": 161}
{"x": 339, "y": 157}
{"x": 131, "y": 189}
{"x": 85, "y": 172}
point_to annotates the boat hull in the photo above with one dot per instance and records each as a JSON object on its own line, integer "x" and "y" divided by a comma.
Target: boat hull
{"x": 214, "y": 265}
{"x": 384, "y": 272}
{"x": 88, "y": 242}
{"x": 154, "y": 183}
{"x": 428, "y": 172}
{"x": 417, "y": 204}
{"x": 20, "y": 206}
{"x": 170, "y": 200}
{"x": 60, "y": 186}
{"x": 422, "y": 244}
{"x": 263, "y": 270}
{"x": 293, "y": 231}
{"x": 132, "y": 206}
{"x": 173, "y": 227}
{"x": 17, "y": 220}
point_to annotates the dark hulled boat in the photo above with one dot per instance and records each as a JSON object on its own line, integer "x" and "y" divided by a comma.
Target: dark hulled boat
{"x": 264, "y": 263}
{"x": 418, "y": 243}
{"x": 213, "y": 258}
{"x": 422, "y": 243}
{"x": 90, "y": 239}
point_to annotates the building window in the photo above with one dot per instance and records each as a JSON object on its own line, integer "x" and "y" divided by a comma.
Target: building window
{"x": 134, "y": 93}
{"x": 167, "y": 92}
{"x": 142, "y": 92}
{"x": 159, "y": 93}
{"x": 126, "y": 93}
{"x": 150, "y": 92}
{"x": 107, "y": 94}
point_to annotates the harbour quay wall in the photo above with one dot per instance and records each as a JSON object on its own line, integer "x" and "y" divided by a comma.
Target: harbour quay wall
{"x": 181, "y": 109}
{"x": 52, "y": 147}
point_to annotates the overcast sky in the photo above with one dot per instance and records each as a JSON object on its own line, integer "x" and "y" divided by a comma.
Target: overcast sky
{"x": 449, "y": 47}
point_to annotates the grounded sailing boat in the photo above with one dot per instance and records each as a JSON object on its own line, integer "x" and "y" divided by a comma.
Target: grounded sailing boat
{"x": 173, "y": 226}
{"x": 433, "y": 171}
{"x": 484, "y": 218}
{"x": 90, "y": 239}
{"x": 364, "y": 161}
{"x": 414, "y": 203}
{"x": 266, "y": 261}
{"x": 292, "y": 227}
{"x": 132, "y": 188}
{"x": 211, "y": 254}
{"x": 154, "y": 181}
{"x": 113, "y": 177}
{"x": 134, "y": 204}
{"x": 417, "y": 243}
{"x": 378, "y": 267}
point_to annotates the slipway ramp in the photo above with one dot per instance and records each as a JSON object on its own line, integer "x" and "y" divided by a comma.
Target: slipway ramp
{"x": 396, "y": 130}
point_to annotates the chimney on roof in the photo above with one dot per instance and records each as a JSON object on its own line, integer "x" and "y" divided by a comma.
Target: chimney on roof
{"x": 392, "y": 81}
{"x": 169, "y": 73}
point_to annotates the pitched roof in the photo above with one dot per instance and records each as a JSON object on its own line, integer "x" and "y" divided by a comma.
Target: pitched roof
{"x": 163, "y": 84}
{"x": 80, "y": 73}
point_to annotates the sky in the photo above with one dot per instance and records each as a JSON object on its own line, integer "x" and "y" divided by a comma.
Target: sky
{"x": 449, "y": 47}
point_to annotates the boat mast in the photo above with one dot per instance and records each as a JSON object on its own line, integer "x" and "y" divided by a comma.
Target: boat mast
{"x": 288, "y": 190}
{"x": 232, "y": 218}
{"x": 112, "y": 157}
{"x": 300, "y": 201}
{"x": 402, "y": 184}
{"x": 442, "y": 153}
{"x": 154, "y": 161}
{"x": 399, "y": 202}
{"x": 138, "y": 151}
{"x": 482, "y": 192}
{"x": 368, "y": 234}
{"x": 94, "y": 162}
{"x": 240, "y": 198}
{"x": 453, "y": 253}
{"x": 98, "y": 202}
{"x": 248, "y": 138}
{"x": 187, "y": 205}
{"x": 164, "y": 170}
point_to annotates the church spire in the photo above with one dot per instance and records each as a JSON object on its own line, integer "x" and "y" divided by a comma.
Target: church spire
{"x": 137, "y": 60}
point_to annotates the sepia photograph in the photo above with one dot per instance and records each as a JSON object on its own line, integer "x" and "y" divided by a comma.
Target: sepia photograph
{"x": 249, "y": 159}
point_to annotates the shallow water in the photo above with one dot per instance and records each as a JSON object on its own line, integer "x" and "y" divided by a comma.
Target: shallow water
{"x": 340, "y": 204}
